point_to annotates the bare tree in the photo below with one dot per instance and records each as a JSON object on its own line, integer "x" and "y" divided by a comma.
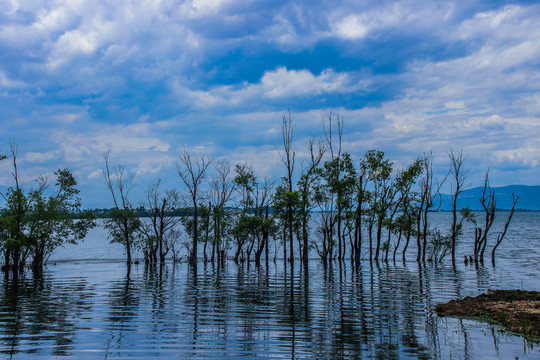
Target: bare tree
{"x": 456, "y": 169}
{"x": 14, "y": 256}
{"x": 288, "y": 159}
{"x": 336, "y": 158}
{"x": 430, "y": 202}
{"x": 191, "y": 170}
{"x": 316, "y": 148}
{"x": 222, "y": 190}
{"x": 160, "y": 208}
{"x": 488, "y": 202}
{"x": 501, "y": 236}
{"x": 124, "y": 223}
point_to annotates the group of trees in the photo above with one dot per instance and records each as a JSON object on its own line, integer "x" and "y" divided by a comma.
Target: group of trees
{"x": 35, "y": 222}
{"x": 325, "y": 202}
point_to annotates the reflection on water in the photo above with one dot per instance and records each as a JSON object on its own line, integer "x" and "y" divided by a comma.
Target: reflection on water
{"x": 99, "y": 310}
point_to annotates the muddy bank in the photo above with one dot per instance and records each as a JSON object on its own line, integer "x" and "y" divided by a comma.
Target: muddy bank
{"x": 517, "y": 310}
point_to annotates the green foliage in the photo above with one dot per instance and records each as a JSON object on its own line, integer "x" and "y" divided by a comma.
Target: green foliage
{"x": 246, "y": 181}
{"x": 123, "y": 226}
{"x": 375, "y": 166}
{"x": 281, "y": 200}
{"x": 465, "y": 215}
{"x": 439, "y": 245}
{"x": 204, "y": 221}
{"x": 38, "y": 222}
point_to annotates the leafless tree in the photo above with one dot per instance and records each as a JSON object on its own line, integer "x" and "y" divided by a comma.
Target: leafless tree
{"x": 500, "y": 238}
{"x": 123, "y": 223}
{"x": 192, "y": 170}
{"x": 430, "y": 202}
{"x": 458, "y": 174}
{"x": 317, "y": 149}
{"x": 288, "y": 158}
{"x": 160, "y": 207}
{"x": 488, "y": 202}
{"x": 335, "y": 155}
{"x": 222, "y": 191}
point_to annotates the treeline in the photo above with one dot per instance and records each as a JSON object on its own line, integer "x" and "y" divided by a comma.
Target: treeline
{"x": 326, "y": 202}
{"x": 365, "y": 209}
{"x": 141, "y": 212}
{"x": 35, "y": 222}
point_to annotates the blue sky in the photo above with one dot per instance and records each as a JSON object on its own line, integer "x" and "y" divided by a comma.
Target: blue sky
{"x": 147, "y": 79}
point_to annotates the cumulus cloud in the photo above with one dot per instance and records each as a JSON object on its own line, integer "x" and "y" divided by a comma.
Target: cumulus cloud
{"x": 149, "y": 78}
{"x": 131, "y": 139}
{"x": 352, "y": 27}
{"x": 40, "y": 157}
{"x": 279, "y": 84}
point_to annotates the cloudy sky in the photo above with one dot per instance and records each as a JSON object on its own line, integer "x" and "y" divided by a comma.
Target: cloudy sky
{"x": 147, "y": 79}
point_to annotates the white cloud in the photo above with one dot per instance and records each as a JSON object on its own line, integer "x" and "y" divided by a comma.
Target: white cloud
{"x": 205, "y": 7}
{"x": 524, "y": 157}
{"x": 352, "y": 27}
{"x": 450, "y": 82}
{"x": 278, "y": 84}
{"x": 283, "y": 82}
{"x": 37, "y": 157}
{"x": 78, "y": 147}
{"x": 98, "y": 173}
{"x": 455, "y": 104}
{"x": 355, "y": 24}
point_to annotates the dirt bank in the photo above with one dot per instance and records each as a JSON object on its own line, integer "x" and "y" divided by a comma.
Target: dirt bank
{"x": 517, "y": 310}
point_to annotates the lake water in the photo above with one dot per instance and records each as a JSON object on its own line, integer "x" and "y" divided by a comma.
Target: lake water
{"x": 89, "y": 306}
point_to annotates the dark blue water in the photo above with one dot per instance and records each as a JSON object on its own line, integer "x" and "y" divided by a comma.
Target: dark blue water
{"x": 97, "y": 309}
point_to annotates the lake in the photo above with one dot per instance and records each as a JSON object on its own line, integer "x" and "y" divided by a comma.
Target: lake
{"x": 87, "y": 305}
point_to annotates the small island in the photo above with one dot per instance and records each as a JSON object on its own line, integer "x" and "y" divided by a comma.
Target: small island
{"x": 517, "y": 310}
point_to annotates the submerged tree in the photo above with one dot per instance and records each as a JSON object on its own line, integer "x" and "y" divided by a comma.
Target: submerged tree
{"x": 192, "y": 172}
{"x": 39, "y": 221}
{"x": 159, "y": 208}
{"x": 338, "y": 177}
{"x": 13, "y": 221}
{"x": 51, "y": 223}
{"x": 489, "y": 203}
{"x": 430, "y": 202}
{"x": 316, "y": 148}
{"x": 407, "y": 203}
{"x": 456, "y": 170}
{"x": 508, "y": 220}
{"x": 379, "y": 171}
{"x": 288, "y": 158}
{"x": 123, "y": 223}
{"x": 402, "y": 202}
{"x": 253, "y": 225}
{"x": 222, "y": 190}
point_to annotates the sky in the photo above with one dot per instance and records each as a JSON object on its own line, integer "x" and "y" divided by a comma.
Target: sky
{"x": 148, "y": 79}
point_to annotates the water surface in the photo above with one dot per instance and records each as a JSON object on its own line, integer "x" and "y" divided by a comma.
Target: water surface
{"x": 97, "y": 309}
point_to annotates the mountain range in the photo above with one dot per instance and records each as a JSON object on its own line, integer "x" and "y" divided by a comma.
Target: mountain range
{"x": 529, "y": 198}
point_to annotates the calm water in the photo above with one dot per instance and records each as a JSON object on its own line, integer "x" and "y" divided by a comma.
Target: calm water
{"x": 96, "y": 309}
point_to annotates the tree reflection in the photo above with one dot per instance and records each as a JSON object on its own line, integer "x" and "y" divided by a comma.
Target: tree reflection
{"x": 40, "y": 311}
{"x": 364, "y": 310}
{"x": 123, "y": 311}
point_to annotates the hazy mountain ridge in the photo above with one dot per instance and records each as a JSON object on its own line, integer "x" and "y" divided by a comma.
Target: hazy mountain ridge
{"x": 529, "y": 198}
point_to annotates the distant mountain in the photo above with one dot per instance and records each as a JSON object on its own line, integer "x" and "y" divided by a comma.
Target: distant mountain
{"x": 529, "y": 198}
